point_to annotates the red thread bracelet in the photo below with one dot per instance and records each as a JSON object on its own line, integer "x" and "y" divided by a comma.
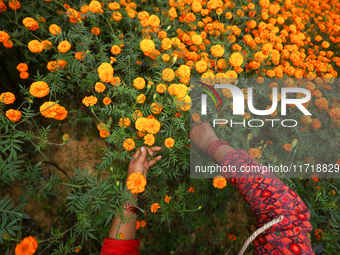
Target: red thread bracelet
{"x": 130, "y": 208}
{"x": 213, "y": 147}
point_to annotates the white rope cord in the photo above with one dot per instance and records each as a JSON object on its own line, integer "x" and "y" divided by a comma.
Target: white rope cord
{"x": 259, "y": 231}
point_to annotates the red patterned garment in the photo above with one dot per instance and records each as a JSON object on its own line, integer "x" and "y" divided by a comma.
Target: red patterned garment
{"x": 269, "y": 198}
{"x": 120, "y": 247}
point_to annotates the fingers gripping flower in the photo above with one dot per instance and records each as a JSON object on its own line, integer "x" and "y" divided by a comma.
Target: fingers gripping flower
{"x": 136, "y": 183}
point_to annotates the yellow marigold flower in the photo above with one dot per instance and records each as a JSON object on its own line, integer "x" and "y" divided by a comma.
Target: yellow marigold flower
{"x": 179, "y": 90}
{"x": 219, "y": 182}
{"x": 105, "y": 71}
{"x": 139, "y": 83}
{"x": 54, "y": 29}
{"x": 30, "y": 23}
{"x": 154, "y": 21}
{"x": 217, "y": 51}
{"x": 107, "y": 101}
{"x": 35, "y": 46}
{"x": 115, "y": 49}
{"x": 28, "y": 246}
{"x": 147, "y": 46}
{"x": 184, "y": 103}
{"x": 201, "y": 66}
{"x": 129, "y": 144}
{"x": 155, "y": 207}
{"x": 156, "y": 108}
{"x": 151, "y": 125}
{"x": 169, "y": 142}
{"x": 64, "y": 46}
{"x": 13, "y": 115}
{"x": 7, "y": 98}
{"x": 196, "y": 39}
{"x": 141, "y": 98}
{"x": 165, "y": 57}
{"x": 255, "y": 153}
{"x": 90, "y": 101}
{"x": 39, "y": 89}
{"x": 149, "y": 139}
{"x": 124, "y": 122}
{"x": 49, "y": 109}
{"x": 95, "y": 6}
{"x": 236, "y": 59}
{"x": 167, "y": 199}
{"x": 95, "y": 31}
{"x": 161, "y": 88}
{"x": 99, "y": 87}
{"x": 168, "y": 74}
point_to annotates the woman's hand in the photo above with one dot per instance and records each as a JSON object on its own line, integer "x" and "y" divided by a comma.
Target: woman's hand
{"x": 142, "y": 162}
{"x": 202, "y": 135}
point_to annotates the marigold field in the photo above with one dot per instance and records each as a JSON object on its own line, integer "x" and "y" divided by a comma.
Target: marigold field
{"x": 111, "y": 76}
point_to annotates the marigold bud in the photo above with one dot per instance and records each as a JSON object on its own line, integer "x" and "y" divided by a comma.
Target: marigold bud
{"x": 117, "y": 183}
{"x": 66, "y": 137}
{"x": 200, "y": 207}
{"x": 168, "y": 28}
{"x": 294, "y": 143}
{"x": 6, "y": 236}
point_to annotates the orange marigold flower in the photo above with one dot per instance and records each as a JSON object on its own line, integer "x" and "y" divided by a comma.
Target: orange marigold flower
{"x": 321, "y": 103}
{"x": 184, "y": 103}
{"x": 196, "y": 117}
{"x": 79, "y": 55}
{"x": 232, "y": 237}
{"x": 61, "y": 113}
{"x": 22, "y": 67}
{"x": 315, "y": 178}
{"x": 7, "y": 98}
{"x": 4, "y": 37}
{"x": 167, "y": 199}
{"x": 121, "y": 236}
{"x": 287, "y": 146}
{"x": 129, "y": 144}
{"x": 35, "y": 46}
{"x": 54, "y": 29}
{"x": 161, "y": 88}
{"x": 49, "y": 109}
{"x": 124, "y": 122}
{"x": 316, "y": 124}
{"x": 306, "y": 120}
{"x": 95, "y": 31}
{"x": 99, "y": 87}
{"x": 107, "y": 101}
{"x": 64, "y": 46}
{"x": 219, "y": 182}
{"x": 39, "y": 89}
{"x": 169, "y": 142}
{"x": 168, "y": 74}
{"x": 143, "y": 223}
{"x": 139, "y": 83}
{"x": 3, "y": 7}
{"x": 155, "y": 207}
{"x": 255, "y": 153}
{"x": 46, "y": 44}
{"x": 325, "y": 44}
{"x": 14, "y": 4}
{"x": 114, "y": 6}
{"x": 115, "y": 49}
{"x": 147, "y": 46}
{"x": 136, "y": 182}
{"x": 24, "y": 75}
{"x": 334, "y": 113}
{"x": 191, "y": 190}
{"x": 137, "y": 114}
{"x": 149, "y": 139}
{"x": 149, "y": 125}
{"x": 236, "y": 59}
{"x": 95, "y": 6}
{"x": 201, "y": 66}
{"x": 53, "y": 66}
{"x": 141, "y": 98}
{"x": 105, "y": 71}
{"x": 28, "y": 246}
{"x": 137, "y": 225}
{"x": 13, "y": 115}
{"x": 156, "y": 108}
{"x": 90, "y": 101}
{"x": 76, "y": 250}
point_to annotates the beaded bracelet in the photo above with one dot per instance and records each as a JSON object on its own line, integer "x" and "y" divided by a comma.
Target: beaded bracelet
{"x": 213, "y": 147}
{"x": 130, "y": 208}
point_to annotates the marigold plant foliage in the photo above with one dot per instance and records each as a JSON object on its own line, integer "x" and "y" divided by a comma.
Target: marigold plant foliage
{"x": 124, "y": 67}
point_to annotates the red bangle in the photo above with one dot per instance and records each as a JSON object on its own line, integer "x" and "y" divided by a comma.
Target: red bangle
{"x": 213, "y": 147}
{"x": 130, "y": 208}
